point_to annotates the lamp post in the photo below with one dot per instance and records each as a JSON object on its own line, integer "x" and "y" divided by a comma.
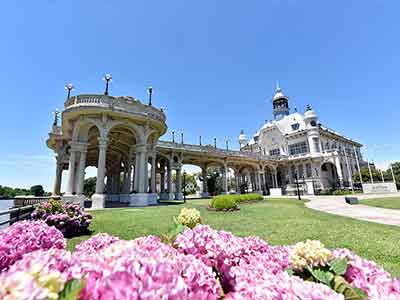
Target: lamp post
{"x": 215, "y": 143}
{"x": 56, "y": 113}
{"x": 107, "y": 78}
{"x": 150, "y": 91}
{"x": 173, "y": 136}
{"x": 184, "y": 186}
{"x": 227, "y": 144}
{"x": 182, "y": 137}
{"x": 69, "y": 87}
{"x": 200, "y": 140}
{"x": 297, "y": 185}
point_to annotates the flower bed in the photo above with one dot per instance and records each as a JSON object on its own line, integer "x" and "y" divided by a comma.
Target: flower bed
{"x": 69, "y": 218}
{"x": 202, "y": 263}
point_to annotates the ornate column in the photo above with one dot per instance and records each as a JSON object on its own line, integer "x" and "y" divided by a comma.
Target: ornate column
{"x": 153, "y": 174}
{"x": 204, "y": 194}
{"x": 141, "y": 175}
{"x": 339, "y": 171}
{"x": 259, "y": 185}
{"x": 81, "y": 170}
{"x": 224, "y": 179}
{"x": 57, "y": 181}
{"x": 178, "y": 184}
{"x": 169, "y": 180}
{"x": 71, "y": 169}
{"x": 98, "y": 199}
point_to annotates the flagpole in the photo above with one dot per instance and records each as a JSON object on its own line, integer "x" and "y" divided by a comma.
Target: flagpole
{"x": 394, "y": 178}
{"x": 348, "y": 170}
{"x": 358, "y": 165}
{"x": 370, "y": 173}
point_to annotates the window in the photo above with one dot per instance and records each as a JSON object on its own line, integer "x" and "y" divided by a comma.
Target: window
{"x": 308, "y": 170}
{"x": 274, "y": 152}
{"x": 316, "y": 144}
{"x": 295, "y": 126}
{"x": 313, "y": 123}
{"x": 300, "y": 171}
{"x": 298, "y": 148}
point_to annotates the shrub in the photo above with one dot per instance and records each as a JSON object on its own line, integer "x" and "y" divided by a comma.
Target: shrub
{"x": 189, "y": 217}
{"x": 69, "y": 218}
{"x": 25, "y": 237}
{"x": 223, "y": 203}
{"x": 236, "y": 198}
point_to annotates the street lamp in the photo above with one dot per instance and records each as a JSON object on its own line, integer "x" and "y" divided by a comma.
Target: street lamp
{"x": 200, "y": 140}
{"x": 56, "y": 113}
{"x": 215, "y": 143}
{"x": 297, "y": 185}
{"x": 173, "y": 136}
{"x": 150, "y": 91}
{"x": 184, "y": 186}
{"x": 182, "y": 137}
{"x": 69, "y": 87}
{"x": 227, "y": 144}
{"x": 107, "y": 78}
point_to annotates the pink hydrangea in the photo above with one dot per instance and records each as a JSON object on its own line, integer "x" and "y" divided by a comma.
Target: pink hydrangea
{"x": 41, "y": 274}
{"x": 27, "y": 236}
{"x": 145, "y": 267}
{"x": 369, "y": 277}
{"x": 222, "y": 250}
{"x": 95, "y": 244}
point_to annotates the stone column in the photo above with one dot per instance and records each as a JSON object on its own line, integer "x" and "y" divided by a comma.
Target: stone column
{"x": 162, "y": 179}
{"x": 205, "y": 193}
{"x": 224, "y": 179}
{"x": 153, "y": 174}
{"x": 169, "y": 180}
{"x": 259, "y": 187}
{"x": 98, "y": 199}
{"x": 178, "y": 185}
{"x": 81, "y": 170}
{"x": 57, "y": 181}
{"x": 237, "y": 181}
{"x": 339, "y": 171}
{"x": 71, "y": 170}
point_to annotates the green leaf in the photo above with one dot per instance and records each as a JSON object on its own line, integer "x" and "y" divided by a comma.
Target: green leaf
{"x": 339, "y": 266}
{"x": 322, "y": 276}
{"x": 290, "y": 271}
{"x": 72, "y": 290}
{"x": 341, "y": 286}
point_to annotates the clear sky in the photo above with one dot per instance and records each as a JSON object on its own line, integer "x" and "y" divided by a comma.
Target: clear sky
{"x": 213, "y": 65}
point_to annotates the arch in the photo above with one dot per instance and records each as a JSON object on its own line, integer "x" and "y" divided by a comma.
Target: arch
{"x": 329, "y": 175}
{"x": 82, "y": 127}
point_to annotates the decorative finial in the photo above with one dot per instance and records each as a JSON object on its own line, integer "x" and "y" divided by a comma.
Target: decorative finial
{"x": 278, "y": 88}
{"x": 295, "y": 109}
{"x": 107, "y": 78}
{"x": 150, "y": 91}
{"x": 308, "y": 107}
{"x": 69, "y": 87}
{"x": 56, "y": 113}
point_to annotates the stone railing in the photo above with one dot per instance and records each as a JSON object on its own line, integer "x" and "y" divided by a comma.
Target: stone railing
{"x": 213, "y": 150}
{"x": 124, "y": 103}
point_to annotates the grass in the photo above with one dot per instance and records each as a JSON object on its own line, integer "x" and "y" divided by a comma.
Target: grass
{"x": 278, "y": 221}
{"x": 392, "y": 202}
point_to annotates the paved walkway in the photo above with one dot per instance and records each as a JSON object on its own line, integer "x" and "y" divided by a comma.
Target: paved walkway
{"x": 337, "y": 205}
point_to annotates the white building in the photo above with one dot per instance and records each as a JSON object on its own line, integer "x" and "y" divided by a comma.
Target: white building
{"x": 317, "y": 155}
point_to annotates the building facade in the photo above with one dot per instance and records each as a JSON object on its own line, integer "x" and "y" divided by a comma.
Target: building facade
{"x": 120, "y": 137}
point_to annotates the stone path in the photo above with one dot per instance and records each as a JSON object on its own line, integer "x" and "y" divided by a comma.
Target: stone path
{"x": 337, "y": 205}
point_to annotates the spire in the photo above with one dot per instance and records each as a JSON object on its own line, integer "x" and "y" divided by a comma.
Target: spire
{"x": 277, "y": 89}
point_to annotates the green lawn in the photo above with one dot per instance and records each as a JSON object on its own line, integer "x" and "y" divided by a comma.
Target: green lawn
{"x": 277, "y": 221}
{"x": 393, "y": 202}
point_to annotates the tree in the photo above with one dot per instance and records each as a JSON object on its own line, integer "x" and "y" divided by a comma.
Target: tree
{"x": 214, "y": 181}
{"x": 37, "y": 190}
{"x": 89, "y": 186}
{"x": 190, "y": 183}
{"x": 366, "y": 177}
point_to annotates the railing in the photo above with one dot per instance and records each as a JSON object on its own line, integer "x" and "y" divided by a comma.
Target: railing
{"x": 216, "y": 151}
{"x": 24, "y": 201}
{"x": 17, "y": 214}
{"x": 127, "y": 104}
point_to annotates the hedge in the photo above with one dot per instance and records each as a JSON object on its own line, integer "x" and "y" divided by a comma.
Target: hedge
{"x": 221, "y": 202}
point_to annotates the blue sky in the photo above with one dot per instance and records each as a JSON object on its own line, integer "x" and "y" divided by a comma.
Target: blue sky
{"x": 213, "y": 66}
